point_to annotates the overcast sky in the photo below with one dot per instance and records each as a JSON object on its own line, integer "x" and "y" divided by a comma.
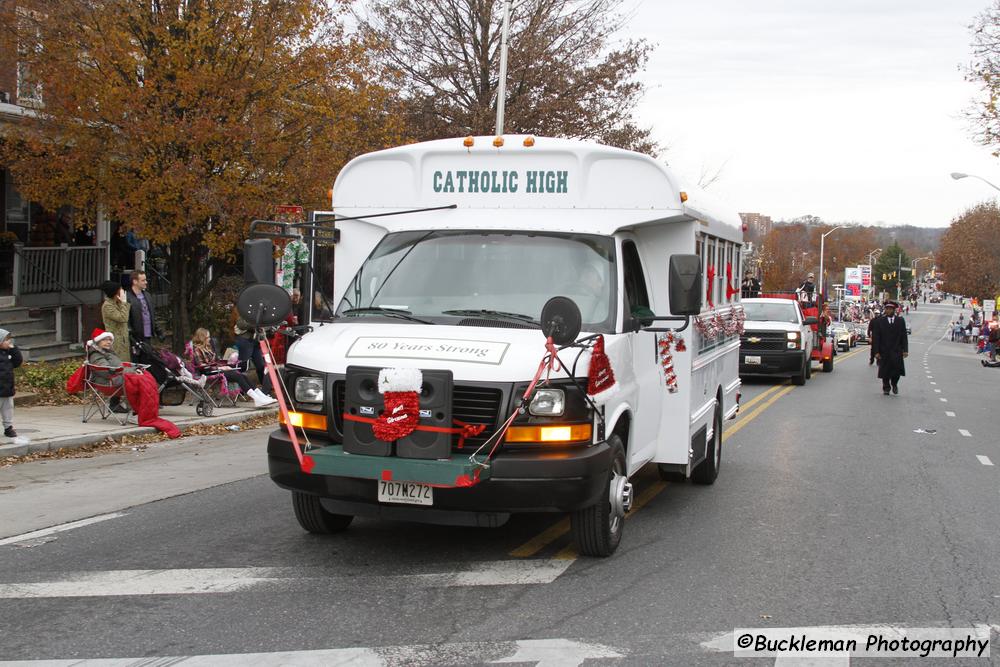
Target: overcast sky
{"x": 844, "y": 109}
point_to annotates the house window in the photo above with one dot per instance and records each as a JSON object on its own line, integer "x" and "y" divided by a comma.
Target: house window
{"x": 29, "y": 89}
{"x": 17, "y": 214}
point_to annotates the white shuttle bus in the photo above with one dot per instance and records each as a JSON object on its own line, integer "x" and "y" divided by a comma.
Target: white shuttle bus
{"x": 434, "y": 388}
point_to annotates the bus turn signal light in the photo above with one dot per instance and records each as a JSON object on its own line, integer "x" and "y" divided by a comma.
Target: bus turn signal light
{"x": 560, "y": 433}
{"x": 305, "y": 420}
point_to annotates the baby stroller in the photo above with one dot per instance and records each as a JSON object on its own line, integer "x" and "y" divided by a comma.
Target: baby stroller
{"x": 177, "y": 382}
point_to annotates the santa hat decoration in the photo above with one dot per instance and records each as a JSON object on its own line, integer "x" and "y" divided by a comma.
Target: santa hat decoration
{"x": 601, "y": 383}
{"x": 97, "y": 335}
{"x": 400, "y": 389}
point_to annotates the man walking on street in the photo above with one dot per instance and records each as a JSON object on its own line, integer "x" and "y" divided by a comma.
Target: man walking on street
{"x": 891, "y": 346}
{"x": 141, "y": 320}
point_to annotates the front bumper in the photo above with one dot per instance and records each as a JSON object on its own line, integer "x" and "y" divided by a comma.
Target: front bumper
{"x": 781, "y": 363}
{"x": 543, "y": 480}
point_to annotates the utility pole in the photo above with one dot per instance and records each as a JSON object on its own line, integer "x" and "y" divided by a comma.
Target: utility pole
{"x": 502, "y": 84}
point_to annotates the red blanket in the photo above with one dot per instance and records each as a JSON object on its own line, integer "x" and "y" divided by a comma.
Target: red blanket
{"x": 141, "y": 390}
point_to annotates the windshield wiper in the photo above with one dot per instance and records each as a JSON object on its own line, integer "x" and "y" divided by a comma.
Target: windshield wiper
{"x": 389, "y": 312}
{"x": 497, "y": 314}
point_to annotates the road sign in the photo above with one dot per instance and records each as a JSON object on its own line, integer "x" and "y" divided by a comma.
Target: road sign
{"x": 989, "y": 306}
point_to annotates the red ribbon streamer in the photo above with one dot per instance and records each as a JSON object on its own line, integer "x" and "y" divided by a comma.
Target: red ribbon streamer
{"x": 730, "y": 290}
{"x": 711, "y": 281}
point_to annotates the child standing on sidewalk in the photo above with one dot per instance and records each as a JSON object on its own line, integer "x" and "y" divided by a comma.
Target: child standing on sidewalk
{"x": 10, "y": 358}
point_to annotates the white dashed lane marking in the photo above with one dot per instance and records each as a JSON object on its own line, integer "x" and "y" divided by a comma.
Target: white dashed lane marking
{"x": 965, "y": 433}
{"x": 985, "y": 460}
{"x": 949, "y": 413}
{"x": 944, "y": 400}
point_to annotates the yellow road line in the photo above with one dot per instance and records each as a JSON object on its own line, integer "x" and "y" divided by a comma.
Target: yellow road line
{"x": 761, "y": 396}
{"x": 542, "y": 540}
{"x": 750, "y": 416}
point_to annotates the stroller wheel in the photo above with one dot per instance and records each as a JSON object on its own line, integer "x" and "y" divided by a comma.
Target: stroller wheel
{"x": 200, "y": 408}
{"x": 207, "y": 409}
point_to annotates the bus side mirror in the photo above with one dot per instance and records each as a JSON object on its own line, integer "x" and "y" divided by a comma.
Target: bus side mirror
{"x": 685, "y": 285}
{"x": 258, "y": 261}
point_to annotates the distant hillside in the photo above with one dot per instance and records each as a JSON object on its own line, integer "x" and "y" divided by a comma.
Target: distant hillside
{"x": 916, "y": 241}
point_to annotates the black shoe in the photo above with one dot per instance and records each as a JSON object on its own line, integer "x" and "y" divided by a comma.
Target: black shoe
{"x": 895, "y": 389}
{"x": 10, "y": 432}
{"x": 120, "y": 409}
{"x": 885, "y": 391}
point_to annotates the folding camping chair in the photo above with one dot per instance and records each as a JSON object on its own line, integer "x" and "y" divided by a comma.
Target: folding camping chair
{"x": 101, "y": 384}
{"x": 220, "y": 391}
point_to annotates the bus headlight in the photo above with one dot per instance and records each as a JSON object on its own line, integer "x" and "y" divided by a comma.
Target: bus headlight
{"x": 309, "y": 389}
{"x": 548, "y": 403}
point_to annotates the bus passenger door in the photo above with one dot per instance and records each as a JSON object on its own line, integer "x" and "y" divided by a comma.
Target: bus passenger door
{"x": 646, "y": 370}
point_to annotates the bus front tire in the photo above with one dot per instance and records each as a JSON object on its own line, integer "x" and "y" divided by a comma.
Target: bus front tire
{"x": 314, "y": 519}
{"x": 597, "y": 530}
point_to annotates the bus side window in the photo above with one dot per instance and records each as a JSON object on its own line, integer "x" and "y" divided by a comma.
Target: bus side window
{"x": 635, "y": 282}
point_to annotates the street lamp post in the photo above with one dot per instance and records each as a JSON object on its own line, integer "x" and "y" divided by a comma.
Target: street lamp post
{"x": 822, "y": 240}
{"x": 959, "y": 175}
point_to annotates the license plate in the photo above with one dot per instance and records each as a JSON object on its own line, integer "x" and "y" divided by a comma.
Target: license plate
{"x": 751, "y": 360}
{"x": 409, "y": 493}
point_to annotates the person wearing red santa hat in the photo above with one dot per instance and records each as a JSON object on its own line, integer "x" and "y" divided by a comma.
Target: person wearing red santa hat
{"x": 100, "y": 353}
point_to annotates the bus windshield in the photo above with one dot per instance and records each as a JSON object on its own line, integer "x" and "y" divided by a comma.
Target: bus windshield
{"x": 444, "y": 277}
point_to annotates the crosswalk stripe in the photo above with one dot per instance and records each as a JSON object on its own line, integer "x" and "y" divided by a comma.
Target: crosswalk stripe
{"x": 985, "y": 460}
{"x": 45, "y": 532}
{"x": 965, "y": 433}
{"x": 234, "y": 580}
{"x": 541, "y": 652}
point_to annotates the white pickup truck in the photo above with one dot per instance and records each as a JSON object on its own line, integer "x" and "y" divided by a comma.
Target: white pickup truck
{"x": 777, "y": 340}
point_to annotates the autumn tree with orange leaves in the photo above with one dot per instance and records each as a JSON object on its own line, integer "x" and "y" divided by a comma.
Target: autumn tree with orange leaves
{"x": 970, "y": 252}
{"x": 186, "y": 119}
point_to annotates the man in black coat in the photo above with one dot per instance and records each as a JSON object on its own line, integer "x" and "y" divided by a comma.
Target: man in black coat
{"x": 891, "y": 346}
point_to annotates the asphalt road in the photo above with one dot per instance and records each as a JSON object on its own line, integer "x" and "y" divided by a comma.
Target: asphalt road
{"x": 831, "y": 510}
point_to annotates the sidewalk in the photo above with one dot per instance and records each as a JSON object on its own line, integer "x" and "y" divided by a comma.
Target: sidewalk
{"x": 49, "y": 428}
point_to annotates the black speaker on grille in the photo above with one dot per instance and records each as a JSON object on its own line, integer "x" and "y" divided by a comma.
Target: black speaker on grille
{"x": 435, "y": 410}
{"x": 363, "y": 400}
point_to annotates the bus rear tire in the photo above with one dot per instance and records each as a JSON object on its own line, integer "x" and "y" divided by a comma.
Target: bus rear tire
{"x": 314, "y": 519}
{"x": 707, "y": 471}
{"x": 597, "y": 530}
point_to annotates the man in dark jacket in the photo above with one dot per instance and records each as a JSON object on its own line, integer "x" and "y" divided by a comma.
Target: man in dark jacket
{"x": 891, "y": 346}
{"x": 10, "y": 358}
{"x": 141, "y": 316}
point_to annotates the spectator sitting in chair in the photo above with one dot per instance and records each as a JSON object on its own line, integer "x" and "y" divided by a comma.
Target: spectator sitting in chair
{"x": 206, "y": 361}
{"x": 100, "y": 352}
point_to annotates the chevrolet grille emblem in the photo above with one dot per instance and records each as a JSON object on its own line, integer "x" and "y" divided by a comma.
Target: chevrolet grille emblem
{"x": 753, "y": 339}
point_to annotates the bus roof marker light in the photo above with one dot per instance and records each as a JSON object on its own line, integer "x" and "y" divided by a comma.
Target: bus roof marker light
{"x": 529, "y": 141}
{"x": 468, "y": 141}
{"x": 684, "y": 196}
{"x": 498, "y": 142}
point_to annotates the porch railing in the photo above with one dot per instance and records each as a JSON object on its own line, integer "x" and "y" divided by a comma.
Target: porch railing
{"x": 60, "y": 269}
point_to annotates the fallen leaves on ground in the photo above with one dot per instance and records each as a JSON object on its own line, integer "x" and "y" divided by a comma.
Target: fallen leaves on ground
{"x": 138, "y": 443}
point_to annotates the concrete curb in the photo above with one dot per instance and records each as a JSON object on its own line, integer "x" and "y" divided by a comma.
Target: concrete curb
{"x": 77, "y": 441}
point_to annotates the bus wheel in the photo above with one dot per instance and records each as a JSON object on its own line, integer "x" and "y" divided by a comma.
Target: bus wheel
{"x": 313, "y": 518}
{"x": 597, "y": 530}
{"x": 707, "y": 471}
